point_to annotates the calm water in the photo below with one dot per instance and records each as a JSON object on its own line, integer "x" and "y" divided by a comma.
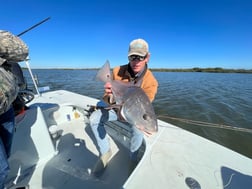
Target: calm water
{"x": 209, "y": 97}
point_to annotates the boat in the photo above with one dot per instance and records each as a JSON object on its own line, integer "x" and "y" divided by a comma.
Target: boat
{"x": 54, "y": 148}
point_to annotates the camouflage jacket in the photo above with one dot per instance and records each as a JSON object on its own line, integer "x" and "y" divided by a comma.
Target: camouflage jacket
{"x": 12, "y": 49}
{"x": 8, "y": 89}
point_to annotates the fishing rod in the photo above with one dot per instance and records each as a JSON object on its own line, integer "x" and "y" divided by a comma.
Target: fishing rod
{"x": 206, "y": 124}
{"x": 27, "y": 60}
{"x": 41, "y": 22}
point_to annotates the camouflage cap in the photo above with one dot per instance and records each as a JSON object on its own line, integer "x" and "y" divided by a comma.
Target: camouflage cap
{"x": 12, "y": 48}
{"x": 138, "y": 47}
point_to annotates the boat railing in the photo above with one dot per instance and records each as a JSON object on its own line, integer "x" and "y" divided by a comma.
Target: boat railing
{"x": 33, "y": 78}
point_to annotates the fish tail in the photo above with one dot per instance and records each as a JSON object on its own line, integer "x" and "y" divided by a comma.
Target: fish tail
{"x": 104, "y": 73}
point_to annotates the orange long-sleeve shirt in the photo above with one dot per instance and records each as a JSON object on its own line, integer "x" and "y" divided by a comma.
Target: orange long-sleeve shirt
{"x": 149, "y": 83}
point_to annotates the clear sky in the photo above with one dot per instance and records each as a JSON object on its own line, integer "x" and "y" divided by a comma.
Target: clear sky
{"x": 180, "y": 33}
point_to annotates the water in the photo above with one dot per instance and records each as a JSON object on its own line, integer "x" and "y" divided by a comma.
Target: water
{"x": 210, "y": 97}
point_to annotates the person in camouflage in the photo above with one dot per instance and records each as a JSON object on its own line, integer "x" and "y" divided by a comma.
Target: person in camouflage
{"x": 12, "y": 50}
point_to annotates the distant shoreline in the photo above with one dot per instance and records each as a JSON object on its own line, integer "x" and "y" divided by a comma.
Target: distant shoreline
{"x": 208, "y": 70}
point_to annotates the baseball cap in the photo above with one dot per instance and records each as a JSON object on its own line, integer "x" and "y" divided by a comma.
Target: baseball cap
{"x": 138, "y": 47}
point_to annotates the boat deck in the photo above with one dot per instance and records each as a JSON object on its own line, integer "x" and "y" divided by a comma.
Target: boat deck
{"x": 64, "y": 160}
{"x": 172, "y": 158}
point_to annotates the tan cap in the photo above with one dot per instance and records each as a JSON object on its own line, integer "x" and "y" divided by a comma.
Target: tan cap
{"x": 138, "y": 47}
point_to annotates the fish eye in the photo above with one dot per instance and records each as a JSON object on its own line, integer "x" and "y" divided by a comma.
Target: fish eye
{"x": 146, "y": 117}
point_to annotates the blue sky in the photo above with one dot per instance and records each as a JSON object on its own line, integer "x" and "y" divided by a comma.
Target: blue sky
{"x": 180, "y": 33}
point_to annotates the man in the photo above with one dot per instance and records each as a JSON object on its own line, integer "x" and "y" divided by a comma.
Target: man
{"x": 12, "y": 50}
{"x": 135, "y": 71}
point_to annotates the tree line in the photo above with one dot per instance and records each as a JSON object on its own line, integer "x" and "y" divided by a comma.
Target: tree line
{"x": 209, "y": 70}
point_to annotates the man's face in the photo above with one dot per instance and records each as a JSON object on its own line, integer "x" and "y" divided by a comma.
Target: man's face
{"x": 137, "y": 63}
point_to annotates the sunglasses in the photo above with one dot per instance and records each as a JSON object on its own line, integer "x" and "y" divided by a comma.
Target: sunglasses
{"x": 136, "y": 57}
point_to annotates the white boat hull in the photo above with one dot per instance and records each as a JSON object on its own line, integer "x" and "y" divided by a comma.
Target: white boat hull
{"x": 172, "y": 158}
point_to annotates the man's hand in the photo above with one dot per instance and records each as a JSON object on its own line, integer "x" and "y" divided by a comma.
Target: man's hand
{"x": 109, "y": 98}
{"x": 108, "y": 88}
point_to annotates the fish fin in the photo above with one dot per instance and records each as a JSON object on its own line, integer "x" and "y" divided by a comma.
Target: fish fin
{"x": 115, "y": 106}
{"x": 104, "y": 73}
{"x": 119, "y": 112}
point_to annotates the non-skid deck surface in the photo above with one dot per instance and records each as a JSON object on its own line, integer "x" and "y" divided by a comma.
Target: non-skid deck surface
{"x": 72, "y": 166}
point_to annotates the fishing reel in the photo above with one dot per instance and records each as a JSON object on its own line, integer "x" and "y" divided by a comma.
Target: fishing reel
{"x": 26, "y": 95}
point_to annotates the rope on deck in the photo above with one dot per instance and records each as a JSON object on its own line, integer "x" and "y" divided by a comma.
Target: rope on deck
{"x": 207, "y": 124}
